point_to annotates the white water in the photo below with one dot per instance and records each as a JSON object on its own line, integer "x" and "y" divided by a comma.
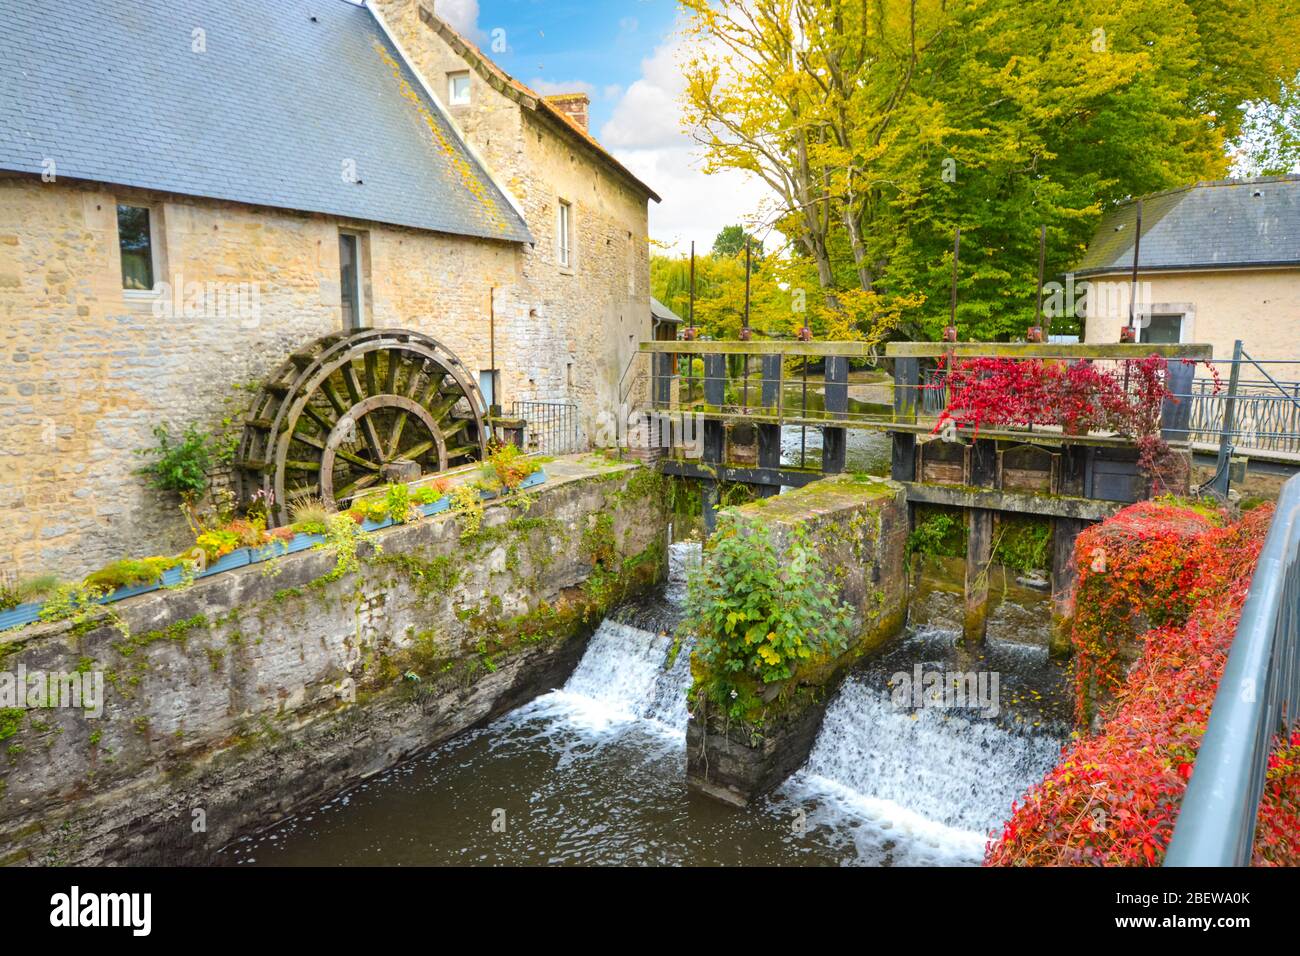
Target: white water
{"x": 626, "y": 675}
{"x": 919, "y": 788}
{"x": 894, "y": 787}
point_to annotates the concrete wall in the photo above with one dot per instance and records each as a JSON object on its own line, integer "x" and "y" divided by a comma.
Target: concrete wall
{"x": 1259, "y": 306}
{"x": 257, "y": 690}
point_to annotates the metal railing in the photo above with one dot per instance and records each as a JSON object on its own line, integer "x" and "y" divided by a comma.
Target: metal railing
{"x": 1257, "y": 700}
{"x": 552, "y": 427}
{"x": 1267, "y": 415}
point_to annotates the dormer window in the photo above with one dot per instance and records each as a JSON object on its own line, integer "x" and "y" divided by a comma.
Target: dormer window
{"x": 458, "y": 88}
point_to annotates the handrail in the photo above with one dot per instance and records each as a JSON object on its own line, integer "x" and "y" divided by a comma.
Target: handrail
{"x": 1050, "y": 350}
{"x": 1257, "y": 698}
{"x": 852, "y": 349}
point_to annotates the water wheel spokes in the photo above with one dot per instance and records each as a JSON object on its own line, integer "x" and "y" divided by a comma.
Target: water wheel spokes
{"x": 352, "y": 412}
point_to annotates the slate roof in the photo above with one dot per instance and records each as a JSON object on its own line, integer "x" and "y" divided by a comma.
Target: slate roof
{"x": 661, "y": 312}
{"x": 1230, "y": 224}
{"x": 286, "y": 93}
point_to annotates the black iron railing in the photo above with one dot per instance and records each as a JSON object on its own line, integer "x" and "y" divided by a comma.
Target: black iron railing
{"x": 552, "y": 427}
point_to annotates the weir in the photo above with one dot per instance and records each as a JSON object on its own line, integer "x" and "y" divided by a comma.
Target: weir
{"x": 1066, "y": 479}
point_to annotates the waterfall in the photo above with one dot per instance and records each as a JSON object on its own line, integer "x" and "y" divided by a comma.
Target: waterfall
{"x": 918, "y": 788}
{"x": 633, "y": 673}
{"x": 593, "y": 772}
{"x": 626, "y": 676}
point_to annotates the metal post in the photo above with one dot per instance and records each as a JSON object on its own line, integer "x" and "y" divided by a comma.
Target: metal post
{"x": 1222, "y": 476}
{"x": 956, "y": 254}
{"x": 1042, "y": 264}
{"x": 495, "y": 410}
{"x": 744, "y": 336}
{"x": 1133, "y": 282}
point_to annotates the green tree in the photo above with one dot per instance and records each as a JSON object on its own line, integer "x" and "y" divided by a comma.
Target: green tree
{"x": 731, "y": 242}
{"x": 1269, "y": 144}
{"x": 883, "y": 125}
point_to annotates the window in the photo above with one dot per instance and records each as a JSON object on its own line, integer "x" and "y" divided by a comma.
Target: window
{"x": 1162, "y": 330}
{"x": 135, "y": 241}
{"x": 350, "y": 279}
{"x": 564, "y": 235}
{"x": 458, "y": 88}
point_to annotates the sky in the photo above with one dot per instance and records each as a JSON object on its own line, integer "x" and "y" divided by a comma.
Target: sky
{"x": 621, "y": 53}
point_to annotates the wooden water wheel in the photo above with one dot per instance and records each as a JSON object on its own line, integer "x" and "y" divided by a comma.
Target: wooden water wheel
{"x": 355, "y": 410}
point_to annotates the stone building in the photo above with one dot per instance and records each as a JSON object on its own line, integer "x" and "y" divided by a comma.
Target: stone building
{"x": 191, "y": 189}
{"x": 1217, "y": 261}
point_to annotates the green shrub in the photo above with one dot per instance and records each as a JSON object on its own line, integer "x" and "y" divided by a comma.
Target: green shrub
{"x": 180, "y": 463}
{"x": 938, "y": 533}
{"x": 25, "y": 590}
{"x": 1023, "y": 543}
{"x": 759, "y": 616}
{"x": 131, "y": 572}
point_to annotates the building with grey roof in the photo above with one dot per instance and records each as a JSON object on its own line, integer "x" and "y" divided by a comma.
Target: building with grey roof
{"x": 1217, "y": 261}
{"x": 297, "y": 104}
{"x": 191, "y": 190}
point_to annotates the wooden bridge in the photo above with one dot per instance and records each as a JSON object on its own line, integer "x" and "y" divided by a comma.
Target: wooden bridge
{"x": 742, "y": 395}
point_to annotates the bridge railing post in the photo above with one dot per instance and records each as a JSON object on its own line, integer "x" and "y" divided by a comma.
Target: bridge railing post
{"x": 835, "y": 440}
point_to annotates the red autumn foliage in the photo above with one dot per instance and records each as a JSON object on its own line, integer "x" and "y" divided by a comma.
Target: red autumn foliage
{"x": 1079, "y": 397}
{"x": 1114, "y": 797}
{"x": 1135, "y": 572}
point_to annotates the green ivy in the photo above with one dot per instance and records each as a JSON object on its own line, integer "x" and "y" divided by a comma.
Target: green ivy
{"x": 1023, "y": 543}
{"x": 938, "y": 533}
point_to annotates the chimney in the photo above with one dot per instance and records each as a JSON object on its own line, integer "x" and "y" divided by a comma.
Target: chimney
{"x": 572, "y": 105}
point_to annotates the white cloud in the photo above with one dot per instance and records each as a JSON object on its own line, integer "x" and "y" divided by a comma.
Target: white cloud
{"x": 556, "y": 87}
{"x": 462, "y": 16}
{"x": 646, "y": 135}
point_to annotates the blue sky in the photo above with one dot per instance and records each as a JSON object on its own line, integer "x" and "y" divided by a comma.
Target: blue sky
{"x": 624, "y": 54}
{"x": 565, "y": 43}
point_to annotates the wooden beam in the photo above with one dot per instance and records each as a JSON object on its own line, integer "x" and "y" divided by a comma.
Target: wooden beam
{"x": 1018, "y": 502}
{"x": 979, "y": 544}
{"x": 1028, "y": 350}
{"x": 787, "y": 477}
{"x": 846, "y": 349}
{"x": 1024, "y": 350}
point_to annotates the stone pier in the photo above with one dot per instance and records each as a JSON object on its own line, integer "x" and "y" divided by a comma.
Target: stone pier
{"x": 859, "y": 526}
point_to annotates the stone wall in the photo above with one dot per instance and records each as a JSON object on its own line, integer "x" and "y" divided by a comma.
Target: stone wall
{"x": 265, "y": 688}
{"x": 859, "y": 528}
{"x": 89, "y": 369}
{"x": 586, "y": 319}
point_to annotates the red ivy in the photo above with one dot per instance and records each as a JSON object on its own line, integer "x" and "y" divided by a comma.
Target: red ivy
{"x": 1079, "y": 397}
{"x": 1114, "y": 797}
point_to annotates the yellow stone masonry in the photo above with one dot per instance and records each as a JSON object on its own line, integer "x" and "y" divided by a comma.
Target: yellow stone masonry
{"x": 91, "y": 369}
